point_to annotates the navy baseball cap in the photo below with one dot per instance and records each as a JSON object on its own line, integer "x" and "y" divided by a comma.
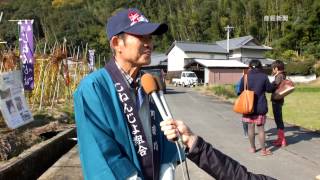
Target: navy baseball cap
{"x": 132, "y": 21}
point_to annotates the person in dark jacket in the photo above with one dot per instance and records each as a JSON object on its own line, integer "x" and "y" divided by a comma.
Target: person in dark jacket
{"x": 259, "y": 83}
{"x": 279, "y": 76}
{"x": 205, "y": 156}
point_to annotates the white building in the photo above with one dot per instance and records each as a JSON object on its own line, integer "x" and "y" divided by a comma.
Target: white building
{"x": 179, "y": 52}
{"x": 211, "y": 61}
{"x": 246, "y": 48}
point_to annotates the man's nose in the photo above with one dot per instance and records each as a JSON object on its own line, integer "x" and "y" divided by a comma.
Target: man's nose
{"x": 148, "y": 43}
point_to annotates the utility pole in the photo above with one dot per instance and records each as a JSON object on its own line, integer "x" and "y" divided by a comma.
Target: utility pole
{"x": 228, "y": 29}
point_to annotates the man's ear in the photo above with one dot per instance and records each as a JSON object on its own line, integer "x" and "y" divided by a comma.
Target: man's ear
{"x": 114, "y": 42}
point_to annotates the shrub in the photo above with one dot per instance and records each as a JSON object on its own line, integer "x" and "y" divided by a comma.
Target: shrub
{"x": 317, "y": 68}
{"x": 172, "y": 74}
{"x": 299, "y": 68}
{"x": 289, "y": 55}
{"x": 227, "y": 91}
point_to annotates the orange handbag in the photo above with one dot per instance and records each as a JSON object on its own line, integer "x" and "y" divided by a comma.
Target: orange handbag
{"x": 244, "y": 103}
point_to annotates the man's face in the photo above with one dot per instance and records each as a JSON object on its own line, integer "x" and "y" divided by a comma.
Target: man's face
{"x": 135, "y": 49}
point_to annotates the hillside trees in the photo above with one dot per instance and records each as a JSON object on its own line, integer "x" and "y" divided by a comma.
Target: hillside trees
{"x": 82, "y": 22}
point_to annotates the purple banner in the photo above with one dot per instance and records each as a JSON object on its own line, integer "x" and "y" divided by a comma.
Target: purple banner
{"x": 26, "y": 53}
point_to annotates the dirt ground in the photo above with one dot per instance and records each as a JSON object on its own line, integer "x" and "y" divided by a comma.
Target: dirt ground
{"x": 46, "y": 124}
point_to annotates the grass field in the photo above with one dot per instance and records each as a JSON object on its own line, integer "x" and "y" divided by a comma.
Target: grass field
{"x": 301, "y": 108}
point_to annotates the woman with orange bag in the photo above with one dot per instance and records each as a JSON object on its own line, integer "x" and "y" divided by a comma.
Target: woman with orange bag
{"x": 259, "y": 83}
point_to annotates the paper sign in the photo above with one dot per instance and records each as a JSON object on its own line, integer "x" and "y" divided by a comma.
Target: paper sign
{"x": 14, "y": 108}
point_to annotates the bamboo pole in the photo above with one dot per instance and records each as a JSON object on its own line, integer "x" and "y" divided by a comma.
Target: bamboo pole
{"x": 56, "y": 86}
{"x": 42, "y": 86}
{"x": 54, "y": 47}
{"x": 38, "y": 84}
{"x": 1, "y": 65}
{"x": 99, "y": 61}
{"x": 45, "y": 48}
{"x": 78, "y": 53}
{"x": 75, "y": 71}
{"x": 69, "y": 83}
{"x": 86, "y": 51}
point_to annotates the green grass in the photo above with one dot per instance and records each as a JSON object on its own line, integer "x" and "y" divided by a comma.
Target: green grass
{"x": 301, "y": 108}
{"x": 227, "y": 91}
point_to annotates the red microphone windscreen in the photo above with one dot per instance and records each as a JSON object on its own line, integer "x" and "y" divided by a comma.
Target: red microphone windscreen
{"x": 148, "y": 83}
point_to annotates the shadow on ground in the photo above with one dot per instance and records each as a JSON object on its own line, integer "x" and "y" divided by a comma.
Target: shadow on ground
{"x": 172, "y": 91}
{"x": 294, "y": 134}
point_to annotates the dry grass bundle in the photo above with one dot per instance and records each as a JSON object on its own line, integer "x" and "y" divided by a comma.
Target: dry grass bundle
{"x": 9, "y": 61}
{"x": 56, "y": 75}
{"x": 52, "y": 78}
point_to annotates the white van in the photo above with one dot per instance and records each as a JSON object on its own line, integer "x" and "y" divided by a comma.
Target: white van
{"x": 187, "y": 78}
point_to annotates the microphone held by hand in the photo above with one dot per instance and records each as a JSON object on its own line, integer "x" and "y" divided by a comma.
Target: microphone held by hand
{"x": 149, "y": 85}
{"x": 163, "y": 100}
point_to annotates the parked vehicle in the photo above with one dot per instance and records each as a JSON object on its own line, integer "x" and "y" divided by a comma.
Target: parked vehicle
{"x": 160, "y": 74}
{"x": 187, "y": 78}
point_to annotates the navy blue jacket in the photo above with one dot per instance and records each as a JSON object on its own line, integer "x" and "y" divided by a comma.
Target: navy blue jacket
{"x": 259, "y": 83}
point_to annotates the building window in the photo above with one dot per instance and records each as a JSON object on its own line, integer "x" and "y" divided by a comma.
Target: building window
{"x": 230, "y": 53}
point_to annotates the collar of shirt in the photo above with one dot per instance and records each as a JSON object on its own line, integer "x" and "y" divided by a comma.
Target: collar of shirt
{"x": 130, "y": 80}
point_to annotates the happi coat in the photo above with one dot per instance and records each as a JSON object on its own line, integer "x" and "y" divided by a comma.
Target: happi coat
{"x": 105, "y": 145}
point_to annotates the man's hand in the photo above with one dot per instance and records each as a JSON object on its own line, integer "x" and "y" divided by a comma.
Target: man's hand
{"x": 172, "y": 129}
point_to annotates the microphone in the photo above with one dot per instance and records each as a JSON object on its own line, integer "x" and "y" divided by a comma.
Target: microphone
{"x": 150, "y": 87}
{"x": 162, "y": 98}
